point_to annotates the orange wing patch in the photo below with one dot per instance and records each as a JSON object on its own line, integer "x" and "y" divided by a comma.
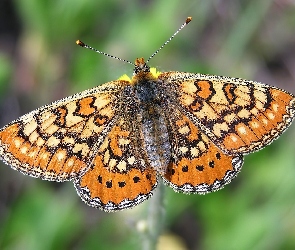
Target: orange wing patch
{"x": 110, "y": 190}
{"x": 85, "y": 106}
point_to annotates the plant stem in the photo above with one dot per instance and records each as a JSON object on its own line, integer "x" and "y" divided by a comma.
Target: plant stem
{"x": 154, "y": 219}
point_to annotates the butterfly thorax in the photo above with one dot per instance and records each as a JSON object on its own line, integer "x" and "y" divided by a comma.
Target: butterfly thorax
{"x": 150, "y": 114}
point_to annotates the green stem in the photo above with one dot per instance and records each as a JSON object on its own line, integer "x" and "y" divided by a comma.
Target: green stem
{"x": 154, "y": 219}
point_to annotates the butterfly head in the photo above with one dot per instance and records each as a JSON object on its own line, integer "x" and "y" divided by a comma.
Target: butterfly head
{"x": 141, "y": 66}
{"x": 142, "y": 71}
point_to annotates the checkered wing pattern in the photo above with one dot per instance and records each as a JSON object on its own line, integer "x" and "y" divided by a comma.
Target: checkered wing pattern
{"x": 238, "y": 116}
{"x": 57, "y": 142}
{"x": 197, "y": 165}
{"x": 120, "y": 176}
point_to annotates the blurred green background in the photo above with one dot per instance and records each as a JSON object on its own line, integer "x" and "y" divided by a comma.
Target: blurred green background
{"x": 40, "y": 63}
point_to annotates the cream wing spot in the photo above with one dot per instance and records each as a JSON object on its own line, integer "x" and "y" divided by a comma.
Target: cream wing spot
{"x": 131, "y": 160}
{"x": 51, "y": 129}
{"x": 254, "y": 111}
{"x": 40, "y": 142}
{"x": 254, "y": 124}
{"x": 71, "y": 119}
{"x": 183, "y": 150}
{"x": 123, "y": 141}
{"x": 206, "y": 112}
{"x": 230, "y": 118}
{"x": 184, "y": 130}
{"x": 187, "y": 100}
{"x": 112, "y": 164}
{"x": 220, "y": 97}
{"x": 202, "y": 146}
{"x": 104, "y": 145}
{"x": 61, "y": 155}
{"x": 241, "y": 90}
{"x": 45, "y": 116}
{"x": 30, "y": 127}
{"x": 260, "y": 95}
{"x": 242, "y": 130}
{"x": 81, "y": 147}
{"x": 101, "y": 101}
{"x": 106, "y": 157}
{"x": 122, "y": 166}
{"x": 195, "y": 152}
{"x": 90, "y": 128}
{"x": 244, "y": 113}
{"x": 107, "y": 111}
{"x": 17, "y": 143}
{"x": 242, "y": 102}
{"x": 33, "y": 137}
{"x": 259, "y": 106}
{"x": 188, "y": 87}
{"x": 69, "y": 140}
{"x": 275, "y": 107}
{"x": 53, "y": 141}
{"x": 233, "y": 138}
{"x": 70, "y": 163}
{"x": 45, "y": 156}
{"x": 24, "y": 149}
{"x": 219, "y": 127}
{"x": 76, "y": 128}
{"x": 49, "y": 120}
{"x": 271, "y": 116}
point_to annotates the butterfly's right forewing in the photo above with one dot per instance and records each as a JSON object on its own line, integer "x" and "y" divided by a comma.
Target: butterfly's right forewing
{"x": 58, "y": 141}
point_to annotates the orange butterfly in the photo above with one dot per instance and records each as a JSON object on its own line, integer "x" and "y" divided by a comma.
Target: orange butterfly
{"x": 114, "y": 141}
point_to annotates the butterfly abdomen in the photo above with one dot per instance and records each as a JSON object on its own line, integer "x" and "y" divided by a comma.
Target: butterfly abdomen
{"x": 153, "y": 129}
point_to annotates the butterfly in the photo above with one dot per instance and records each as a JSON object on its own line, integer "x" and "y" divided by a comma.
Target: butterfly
{"x": 115, "y": 141}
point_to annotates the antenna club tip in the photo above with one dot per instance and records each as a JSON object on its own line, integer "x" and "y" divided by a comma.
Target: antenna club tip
{"x": 78, "y": 42}
{"x": 188, "y": 19}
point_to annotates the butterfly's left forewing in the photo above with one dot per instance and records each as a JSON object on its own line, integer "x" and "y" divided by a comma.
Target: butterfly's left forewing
{"x": 238, "y": 116}
{"x": 57, "y": 142}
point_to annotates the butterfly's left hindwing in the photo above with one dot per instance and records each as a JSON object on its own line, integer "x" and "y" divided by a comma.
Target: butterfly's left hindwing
{"x": 57, "y": 142}
{"x": 197, "y": 165}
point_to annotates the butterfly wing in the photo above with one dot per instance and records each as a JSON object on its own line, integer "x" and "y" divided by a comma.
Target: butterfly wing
{"x": 197, "y": 165}
{"x": 119, "y": 176}
{"x": 238, "y": 116}
{"x": 56, "y": 142}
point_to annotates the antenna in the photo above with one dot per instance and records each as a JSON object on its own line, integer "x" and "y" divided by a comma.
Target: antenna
{"x": 100, "y": 52}
{"x": 187, "y": 21}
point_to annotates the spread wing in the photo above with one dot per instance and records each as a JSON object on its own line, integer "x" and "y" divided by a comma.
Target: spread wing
{"x": 197, "y": 165}
{"x": 57, "y": 142}
{"x": 119, "y": 177}
{"x": 238, "y": 116}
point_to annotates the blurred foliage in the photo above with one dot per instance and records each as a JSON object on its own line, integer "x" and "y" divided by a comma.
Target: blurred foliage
{"x": 40, "y": 63}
